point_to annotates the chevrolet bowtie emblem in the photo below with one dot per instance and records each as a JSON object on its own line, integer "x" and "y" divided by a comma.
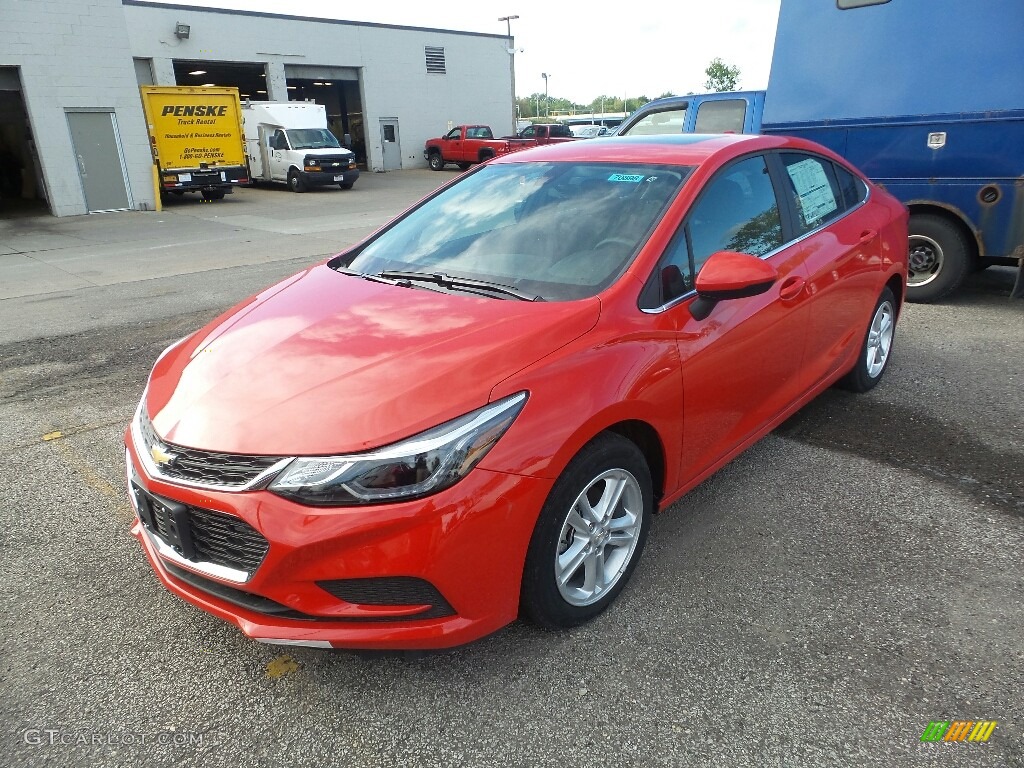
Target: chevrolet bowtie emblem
{"x": 160, "y": 456}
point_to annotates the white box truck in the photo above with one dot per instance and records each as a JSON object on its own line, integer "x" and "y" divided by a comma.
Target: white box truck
{"x": 289, "y": 141}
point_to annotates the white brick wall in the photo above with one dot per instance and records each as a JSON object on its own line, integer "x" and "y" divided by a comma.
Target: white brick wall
{"x": 75, "y": 53}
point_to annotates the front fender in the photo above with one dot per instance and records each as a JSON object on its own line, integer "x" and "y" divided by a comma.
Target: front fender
{"x": 587, "y": 387}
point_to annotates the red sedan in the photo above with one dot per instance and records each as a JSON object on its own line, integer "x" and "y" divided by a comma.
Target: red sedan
{"x": 472, "y": 415}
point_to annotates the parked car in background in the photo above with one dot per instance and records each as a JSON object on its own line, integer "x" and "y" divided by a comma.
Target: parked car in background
{"x": 542, "y": 133}
{"x": 474, "y": 413}
{"x": 588, "y": 131}
{"x": 465, "y": 145}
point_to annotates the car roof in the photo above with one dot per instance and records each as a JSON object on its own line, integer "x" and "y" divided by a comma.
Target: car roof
{"x": 672, "y": 149}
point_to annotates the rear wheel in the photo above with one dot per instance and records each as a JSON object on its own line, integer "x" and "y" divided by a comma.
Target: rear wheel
{"x": 939, "y": 258}
{"x": 295, "y": 182}
{"x": 486, "y": 155}
{"x": 463, "y": 166}
{"x": 589, "y": 535}
{"x": 436, "y": 161}
{"x": 877, "y": 346}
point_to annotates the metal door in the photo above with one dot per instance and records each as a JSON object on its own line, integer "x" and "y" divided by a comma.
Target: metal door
{"x": 389, "y": 141}
{"x": 100, "y": 160}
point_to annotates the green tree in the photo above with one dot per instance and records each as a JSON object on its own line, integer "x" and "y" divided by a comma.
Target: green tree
{"x": 721, "y": 77}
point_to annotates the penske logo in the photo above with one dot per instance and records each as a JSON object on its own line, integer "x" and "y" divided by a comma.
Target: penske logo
{"x": 194, "y": 110}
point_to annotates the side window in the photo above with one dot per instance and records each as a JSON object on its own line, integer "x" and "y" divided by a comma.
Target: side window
{"x": 659, "y": 123}
{"x": 724, "y": 116}
{"x": 528, "y": 132}
{"x": 454, "y": 133}
{"x": 853, "y": 188}
{"x": 280, "y": 142}
{"x": 484, "y": 133}
{"x": 814, "y": 190}
{"x": 737, "y": 211}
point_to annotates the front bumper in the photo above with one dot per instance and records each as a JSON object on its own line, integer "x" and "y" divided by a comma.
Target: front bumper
{"x": 324, "y": 178}
{"x": 467, "y": 543}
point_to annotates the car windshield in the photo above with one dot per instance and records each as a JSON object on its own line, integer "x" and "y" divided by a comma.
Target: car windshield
{"x": 560, "y": 231}
{"x": 312, "y": 138}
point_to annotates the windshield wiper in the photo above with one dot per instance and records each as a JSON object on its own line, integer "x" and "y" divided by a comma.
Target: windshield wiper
{"x": 372, "y": 278}
{"x": 482, "y": 287}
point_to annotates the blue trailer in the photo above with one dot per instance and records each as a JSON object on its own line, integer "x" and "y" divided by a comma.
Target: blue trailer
{"x": 926, "y": 97}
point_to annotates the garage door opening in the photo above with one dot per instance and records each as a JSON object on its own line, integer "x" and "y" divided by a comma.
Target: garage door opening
{"x": 21, "y": 179}
{"x": 249, "y": 79}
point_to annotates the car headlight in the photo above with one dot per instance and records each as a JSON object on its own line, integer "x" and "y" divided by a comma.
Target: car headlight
{"x": 418, "y": 466}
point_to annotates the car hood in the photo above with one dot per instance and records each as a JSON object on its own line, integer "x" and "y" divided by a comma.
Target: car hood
{"x": 328, "y": 363}
{"x": 325, "y": 151}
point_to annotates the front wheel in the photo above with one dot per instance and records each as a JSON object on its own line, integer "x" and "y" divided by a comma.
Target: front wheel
{"x": 295, "y": 182}
{"x": 938, "y": 260}
{"x": 877, "y": 347}
{"x": 590, "y": 534}
{"x": 436, "y": 161}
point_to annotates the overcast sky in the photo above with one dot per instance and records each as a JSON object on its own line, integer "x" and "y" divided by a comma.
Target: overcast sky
{"x": 588, "y": 49}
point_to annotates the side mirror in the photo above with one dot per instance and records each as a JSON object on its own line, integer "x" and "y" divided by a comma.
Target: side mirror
{"x": 730, "y": 275}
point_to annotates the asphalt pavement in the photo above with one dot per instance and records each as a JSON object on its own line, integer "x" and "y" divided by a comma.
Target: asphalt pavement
{"x": 856, "y": 575}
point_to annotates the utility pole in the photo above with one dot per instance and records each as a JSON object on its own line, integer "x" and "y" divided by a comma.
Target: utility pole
{"x": 547, "y": 103}
{"x": 512, "y": 69}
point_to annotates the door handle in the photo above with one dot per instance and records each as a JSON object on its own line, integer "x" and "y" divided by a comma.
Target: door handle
{"x": 791, "y": 288}
{"x": 867, "y": 236}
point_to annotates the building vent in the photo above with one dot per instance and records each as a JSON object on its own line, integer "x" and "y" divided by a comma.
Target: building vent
{"x": 435, "y": 59}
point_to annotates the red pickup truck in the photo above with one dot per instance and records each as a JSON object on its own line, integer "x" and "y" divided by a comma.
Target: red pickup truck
{"x": 543, "y": 133}
{"x": 465, "y": 145}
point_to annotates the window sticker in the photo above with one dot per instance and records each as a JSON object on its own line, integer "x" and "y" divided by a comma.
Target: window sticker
{"x": 812, "y": 189}
{"x": 630, "y": 178}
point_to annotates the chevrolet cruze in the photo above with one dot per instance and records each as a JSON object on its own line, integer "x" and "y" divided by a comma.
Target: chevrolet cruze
{"x": 473, "y": 414}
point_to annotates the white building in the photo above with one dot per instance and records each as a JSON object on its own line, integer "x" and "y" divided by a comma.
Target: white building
{"x": 72, "y": 131}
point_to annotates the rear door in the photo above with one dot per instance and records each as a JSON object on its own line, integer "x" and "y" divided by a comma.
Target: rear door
{"x": 841, "y": 246}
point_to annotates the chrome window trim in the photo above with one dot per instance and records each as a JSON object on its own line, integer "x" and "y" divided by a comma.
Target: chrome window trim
{"x": 795, "y": 241}
{"x": 153, "y": 471}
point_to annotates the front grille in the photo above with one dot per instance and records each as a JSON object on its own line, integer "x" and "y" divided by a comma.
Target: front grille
{"x": 226, "y": 540}
{"x": 202, "y": 535}
{"x": 205, "y": 468}
{"x": 333, "y": 163}
{"x": 391, "y": 590}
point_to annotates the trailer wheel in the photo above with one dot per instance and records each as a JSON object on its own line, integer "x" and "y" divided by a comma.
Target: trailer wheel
{"x": 436, "y": 161}
{"x": 939, "y": 258}
{"x": 295, "y": 182}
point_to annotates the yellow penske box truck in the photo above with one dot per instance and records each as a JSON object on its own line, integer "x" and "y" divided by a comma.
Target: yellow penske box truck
{"x": 196, "y": 138}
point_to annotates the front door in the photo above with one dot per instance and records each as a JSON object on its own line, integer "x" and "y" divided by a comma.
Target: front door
{"x": 741, "y": 365}
{"x": 390, "y": 144}
{"x": 100, "y": 161}
{"x": 279, "y": 155}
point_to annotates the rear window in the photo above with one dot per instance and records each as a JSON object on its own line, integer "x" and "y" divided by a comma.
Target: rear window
{"x": 725, "y": 116}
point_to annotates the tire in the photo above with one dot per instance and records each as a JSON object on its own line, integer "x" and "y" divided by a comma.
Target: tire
{"x": 463, "y": 166}
{"x": 436, "y": 161}
{"x": 213, "y": 194}
{"x": 939, "y": 258}
{"x": 571, "y": 546}
{"x": 876, "y": 350}
{"x": 295, "y": 182}
{"x": 346, "y": 184}
{"x": 485, "y": 155}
